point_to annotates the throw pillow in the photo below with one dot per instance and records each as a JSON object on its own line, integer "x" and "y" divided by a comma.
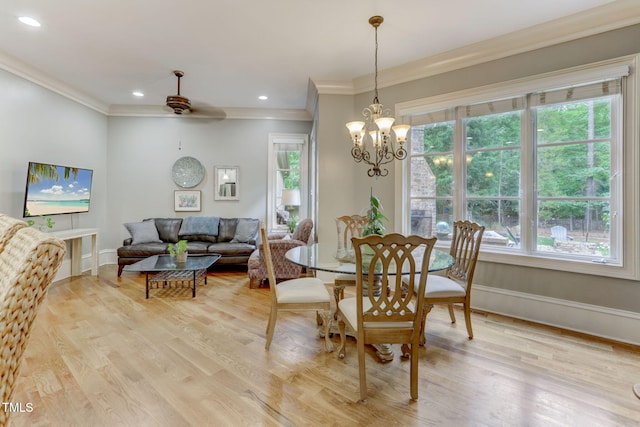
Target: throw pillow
{"x": 143, "y": 232}
{"x": 227, "y": 229}
{"x": 246, "y": 230}
{"x": 168, "y": 229}
{"x": 200, "y": 228}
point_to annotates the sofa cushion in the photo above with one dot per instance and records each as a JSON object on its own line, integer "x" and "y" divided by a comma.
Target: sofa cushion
{"x": 143, "y": 232}
{"x": 205, "y": 228}
{"x": 246, "y": 230}
{"x": 142, "y": 250}
{"x": 168, "y": 229}
{"x": 231, "y": 249}
{"x": 227, "y": 229}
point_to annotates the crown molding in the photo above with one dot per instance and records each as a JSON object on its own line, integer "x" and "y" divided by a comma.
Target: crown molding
{"x": 15, "y": 66}
{"x": 611, "y": 16}
{"x": 218, "y": 113}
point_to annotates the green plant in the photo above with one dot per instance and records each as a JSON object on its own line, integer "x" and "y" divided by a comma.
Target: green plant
{"x": 292, "y": 223}
{"x": 44, "y": 222}
{"x": 177, "y": 248}
{"x": 374, "y": 217}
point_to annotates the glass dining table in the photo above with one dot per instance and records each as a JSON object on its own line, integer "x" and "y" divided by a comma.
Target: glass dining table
{"x": 324, "y": 257}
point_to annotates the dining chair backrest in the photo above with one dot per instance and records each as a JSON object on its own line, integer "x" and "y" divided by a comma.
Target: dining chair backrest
{"x": 391, "y": 299}
{"x": 465, "y": 247}
{"x": 268, "y": 261}
{"x": 349, "y": 226}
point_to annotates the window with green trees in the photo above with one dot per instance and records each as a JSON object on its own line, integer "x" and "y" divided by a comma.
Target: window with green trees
{"x": 536, "y": 169}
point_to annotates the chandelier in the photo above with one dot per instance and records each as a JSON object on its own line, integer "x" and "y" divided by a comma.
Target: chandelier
{"x": 376, "y": 146}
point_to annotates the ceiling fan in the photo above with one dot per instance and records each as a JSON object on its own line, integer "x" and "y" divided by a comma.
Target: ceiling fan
{"x": 181, "y": 105}
{"x": 178, "y": 103}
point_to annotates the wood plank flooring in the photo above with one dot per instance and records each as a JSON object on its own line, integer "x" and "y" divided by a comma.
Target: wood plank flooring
{"x": 100, "y": 354}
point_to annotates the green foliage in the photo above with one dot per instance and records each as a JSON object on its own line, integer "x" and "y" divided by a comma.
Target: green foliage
{"x": 44, "y": 222}
{"x": 573, "y": 161}
{"x": 177, "y": 248}
{"x": 374, "y": 217}
{"x": 292, "y": 223}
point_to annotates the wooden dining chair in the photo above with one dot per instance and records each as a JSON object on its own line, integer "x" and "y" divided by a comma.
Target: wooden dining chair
{"x": 347, "y": 226}
{"x": 454, "y": 287}
{"x": 386, "y": 310}
{"x": 305, "y": 293}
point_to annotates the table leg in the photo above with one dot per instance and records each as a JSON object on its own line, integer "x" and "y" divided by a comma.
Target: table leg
{"x": 194, "y": 283}
{"x": 147, "y": 285}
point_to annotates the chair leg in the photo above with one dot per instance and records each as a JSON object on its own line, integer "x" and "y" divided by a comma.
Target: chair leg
{"x": 343, "y": 339}
{"x": 413, "y": 373}
{"x": 423, "y": 324}
{"x": 252, "y": 283}
{"x": 326, "y": 318}
{"x": 467, "y": 319}
{"x": 271, "y": 326}
{"x": 363, "y": 371}
{"x": 338, "y": 294}
{"x": 452, "y": 314}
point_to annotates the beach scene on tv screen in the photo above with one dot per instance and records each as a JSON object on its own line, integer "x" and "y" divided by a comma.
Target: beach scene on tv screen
{"x": 53, "y": 189}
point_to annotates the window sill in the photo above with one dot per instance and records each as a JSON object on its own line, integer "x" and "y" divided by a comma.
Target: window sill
{"x": 582, "y": 265}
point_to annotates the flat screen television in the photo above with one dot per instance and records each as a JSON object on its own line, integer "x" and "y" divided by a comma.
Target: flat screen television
{"x": 53, "y": 190}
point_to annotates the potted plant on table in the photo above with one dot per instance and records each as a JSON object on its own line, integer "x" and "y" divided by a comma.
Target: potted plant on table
{"x": 178, "y": 250}
{"x": 374, "y": 225}
{"x": 374, "y": 217}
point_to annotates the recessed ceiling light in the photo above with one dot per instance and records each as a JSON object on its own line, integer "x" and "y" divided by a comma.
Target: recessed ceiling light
{"x": 137, "y": 93}
{"x": 263, "y": 97}
{"x": 29, "y": 21}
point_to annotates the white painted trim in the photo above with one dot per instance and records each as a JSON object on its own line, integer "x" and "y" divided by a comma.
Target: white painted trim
{"x": 611, "y": 16}
{"x": 21, "y": 69}
{"x": 216, "y": 114}
{"x": 617, "y": 325}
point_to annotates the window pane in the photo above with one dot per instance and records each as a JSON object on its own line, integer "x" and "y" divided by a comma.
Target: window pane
{"x": 575, "y": 170}
{"x": 574, "y": 227}
{"x": 438, "y": 138}
{"x": 431, "y": 217}
{"x": 501, "y": 219}
{"x": 495, "y": 130}
{"x": 576, "y": 121}
{"x": 432, "y": 176}
{"x": 493, "y": 173}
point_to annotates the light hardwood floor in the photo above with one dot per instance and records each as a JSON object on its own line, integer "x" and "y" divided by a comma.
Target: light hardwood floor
{"x": 102, "y": 355}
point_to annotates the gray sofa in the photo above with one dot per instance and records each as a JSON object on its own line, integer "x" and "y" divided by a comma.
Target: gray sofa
{"x": 233, "y": 238}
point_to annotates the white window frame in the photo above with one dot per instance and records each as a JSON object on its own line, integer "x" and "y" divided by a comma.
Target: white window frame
{"x": 628, "y": 232}
{"x": 272, "y": 196}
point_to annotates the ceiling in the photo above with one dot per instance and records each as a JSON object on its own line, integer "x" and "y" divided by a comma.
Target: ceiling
{"x": 233, "y": 51}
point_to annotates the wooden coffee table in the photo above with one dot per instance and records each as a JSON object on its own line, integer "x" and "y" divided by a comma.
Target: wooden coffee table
{"x": 164, "y": 271}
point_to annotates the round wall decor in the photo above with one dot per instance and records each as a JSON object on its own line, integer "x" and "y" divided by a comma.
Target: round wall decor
{"x": 187, "y": 172}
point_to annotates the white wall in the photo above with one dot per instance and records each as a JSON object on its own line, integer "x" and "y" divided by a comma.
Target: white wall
{"x": 39, "y": 125}
{"x": 142, "y": 152}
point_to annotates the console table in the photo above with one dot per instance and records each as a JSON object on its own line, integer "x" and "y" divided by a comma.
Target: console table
{"x": 75, "y": 236}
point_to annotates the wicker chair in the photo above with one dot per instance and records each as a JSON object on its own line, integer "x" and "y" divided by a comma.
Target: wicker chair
{"x": 283, "y": 269}
{"x": 8, "y": 227}
{"x": 28, "y": 264}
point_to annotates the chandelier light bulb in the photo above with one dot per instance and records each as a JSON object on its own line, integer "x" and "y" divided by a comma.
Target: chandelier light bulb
{"x": 384, "y": 124}
{"x": 401, "y": 133}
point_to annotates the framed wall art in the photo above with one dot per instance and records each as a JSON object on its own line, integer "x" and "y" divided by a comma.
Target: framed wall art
{"x": 226, "y": 183}
{"x": 187, "y": 200}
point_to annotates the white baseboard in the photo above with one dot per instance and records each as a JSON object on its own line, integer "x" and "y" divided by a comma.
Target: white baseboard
{"x": 104, "y": 258}
{"x": 618, "y": 325}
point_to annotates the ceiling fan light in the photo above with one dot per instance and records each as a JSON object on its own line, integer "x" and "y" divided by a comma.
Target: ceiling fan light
{"x": 178, "y": 104}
